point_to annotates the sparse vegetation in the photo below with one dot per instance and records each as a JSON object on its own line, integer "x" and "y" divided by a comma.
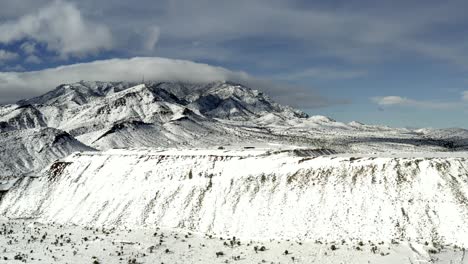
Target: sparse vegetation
{"x": 119, "y": 252}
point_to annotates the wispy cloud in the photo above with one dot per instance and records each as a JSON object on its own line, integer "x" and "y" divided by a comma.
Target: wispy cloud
{"x": 321, "y": 73}
{"x": 33, "y": 59}
{"x": 14, "y": 68}
{"x": 7, "y": 55}
{"x": 465, "y": 96}
{"x": 151, "y": 36}
{"x": 353, "y": 34}
{"x": 28, "y": 47}
{"x": 403, "y": 101}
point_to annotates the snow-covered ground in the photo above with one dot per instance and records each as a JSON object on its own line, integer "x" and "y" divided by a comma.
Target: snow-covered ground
{"x": 27, "y": 241}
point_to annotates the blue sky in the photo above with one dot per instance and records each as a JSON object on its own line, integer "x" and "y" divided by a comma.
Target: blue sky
{"x": 399, "y": 63}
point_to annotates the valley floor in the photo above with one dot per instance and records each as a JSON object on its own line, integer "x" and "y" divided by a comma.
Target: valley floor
{"x": 26, "y": 241}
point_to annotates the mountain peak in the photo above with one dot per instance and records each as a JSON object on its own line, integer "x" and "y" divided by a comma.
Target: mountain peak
{"x": 88, "y": 109}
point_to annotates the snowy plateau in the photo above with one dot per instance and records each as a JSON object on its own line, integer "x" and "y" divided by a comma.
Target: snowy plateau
{"x": 170, "y": 172}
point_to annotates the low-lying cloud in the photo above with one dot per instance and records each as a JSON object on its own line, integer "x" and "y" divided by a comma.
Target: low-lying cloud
{"x": 20, "y": 85}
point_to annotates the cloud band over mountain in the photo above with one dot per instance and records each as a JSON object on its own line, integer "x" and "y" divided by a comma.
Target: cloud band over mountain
{"x": 19, "y": 85}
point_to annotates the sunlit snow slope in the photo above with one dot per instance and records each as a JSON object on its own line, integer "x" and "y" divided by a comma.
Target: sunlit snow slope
{"x": 254, "y": 194}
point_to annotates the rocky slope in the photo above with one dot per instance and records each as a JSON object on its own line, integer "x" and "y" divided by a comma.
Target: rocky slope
{"x": 255, "y": 194}
{"x": 27, "y": 151}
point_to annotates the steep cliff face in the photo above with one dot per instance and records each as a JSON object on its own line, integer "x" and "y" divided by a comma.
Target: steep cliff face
{"x": 254, "y": 195}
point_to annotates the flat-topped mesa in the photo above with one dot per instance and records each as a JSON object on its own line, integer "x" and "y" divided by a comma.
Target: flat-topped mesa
{"x": 250, "y": 194}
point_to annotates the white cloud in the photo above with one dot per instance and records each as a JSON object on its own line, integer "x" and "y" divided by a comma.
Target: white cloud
{"x": 391, "y": 100}
{"x": 21, "y": 85}
{"x": 61, "y": 27}
{"x": 151, "y": 38}
{"x": 28, "y": 47}
{"x": 7, "y": 55}
{"x": 403, "y": 101}
{"x": 116, "y": 70}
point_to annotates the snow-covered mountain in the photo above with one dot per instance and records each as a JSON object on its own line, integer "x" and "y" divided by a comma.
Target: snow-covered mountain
{"x": 106, "y": 115}
{"x": 99, "y": 114}
{"x": 26, "y": 151}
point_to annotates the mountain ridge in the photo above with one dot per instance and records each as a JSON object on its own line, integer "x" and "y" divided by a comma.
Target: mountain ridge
{"x": 105, "y": 115}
